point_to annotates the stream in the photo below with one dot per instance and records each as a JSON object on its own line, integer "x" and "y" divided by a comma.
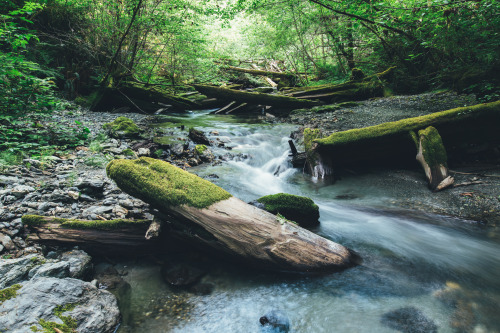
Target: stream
{"x": 439, "y": 273}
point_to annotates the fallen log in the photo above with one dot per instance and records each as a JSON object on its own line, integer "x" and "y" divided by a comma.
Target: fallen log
{"x": 290, "y": 78}
{"x": 198, "y": 210}
{"x": 111, "y": 236}
{"x": 139, "y": 98}
{"x": 254, "y": 98}
{"x": 392, "y": 144}
{"x": 373, "y": 82}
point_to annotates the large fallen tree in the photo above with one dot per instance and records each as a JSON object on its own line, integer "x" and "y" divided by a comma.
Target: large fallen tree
{"x": 285, "y": 79}
{"x": 139, "y": 98}
{"x": 278, "y": 101}
{"x": 195, "y": 209}
{"x": 353, "y": 90}
{"x": 394, "y": 142}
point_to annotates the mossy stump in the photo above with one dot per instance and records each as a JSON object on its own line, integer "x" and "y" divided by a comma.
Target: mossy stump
{"x": 293, "y": 207}
{"x": 197, "y": 211}
{"x": 432, "y": 156}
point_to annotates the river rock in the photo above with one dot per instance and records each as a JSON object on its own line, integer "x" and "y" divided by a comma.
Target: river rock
{"x": 80, "y": 263}
{"x": 15, "y": 270}
{"x": 274, "y": 321}
{"x": 6, "y": 241}
{"x": 94, "y": 310}
{"x": 20, "y": 191}
{"x": 409, "y": 320}
{"x": 143, "y": 152}
{"x": 91, "y": 186}
{"x": 10, "y": 180}
{"x": 181, "y": 275}
{"x": 53, "y": 269}
{"x": 97, "y": 210}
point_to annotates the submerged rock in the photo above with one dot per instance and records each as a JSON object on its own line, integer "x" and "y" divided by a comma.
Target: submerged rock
{"x": 274, "y": 321}
{"x": 409, "y": 320}
{"x": 181, "y": 275}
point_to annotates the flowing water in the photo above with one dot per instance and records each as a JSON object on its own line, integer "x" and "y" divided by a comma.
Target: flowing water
{"x": 444, "y": 273}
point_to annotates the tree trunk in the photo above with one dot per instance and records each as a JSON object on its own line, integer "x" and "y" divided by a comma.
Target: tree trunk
{"x": 197, "y": 210}
{"x": 104, "y": 237}
{"x": 254, "y": 98}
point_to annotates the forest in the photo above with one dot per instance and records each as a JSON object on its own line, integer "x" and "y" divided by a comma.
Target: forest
{"x": 249, "y": 166}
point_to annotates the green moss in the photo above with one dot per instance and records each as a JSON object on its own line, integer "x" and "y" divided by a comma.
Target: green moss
{"x": 407, "y": 125}
{"x": 200, "y": 149}
{"x": 128, "y": 152}
{"x": 36, "y": 220}
{"x": 68, "y": 325}
{"x": 162, "y": 184}
{"x": 432, "y": 147}
{"x": 8, "y": 293}
{"x": 293, "y": 207}
{"x": 122, "y": 127}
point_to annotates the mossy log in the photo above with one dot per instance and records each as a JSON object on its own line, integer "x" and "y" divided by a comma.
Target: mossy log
{"x": 432, "y": 156}
{"x": 255, "y": 98}
{"x": 139, "y": 98}
{"x": 197, "y": 210}
{"x": 103, "y": 237}
{"x": 393, "y": 142}
{"x": 370, "y": 85}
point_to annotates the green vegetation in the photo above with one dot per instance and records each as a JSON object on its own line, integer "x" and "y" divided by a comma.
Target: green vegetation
{"x": 68, "y": 325}
{"x": 408, "y": 125}
{"x": 122, "y": 127}
{"x": 8, "y": 293}
{"x": 36, "y": 220}
{"x": 200, "y": 149}
{"x": 163, "y": 184}
{"x": 292, "y": 207}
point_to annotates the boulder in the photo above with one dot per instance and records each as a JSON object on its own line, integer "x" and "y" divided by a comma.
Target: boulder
{"x": 122, "y": 127}
{"x": 66, "y": 304}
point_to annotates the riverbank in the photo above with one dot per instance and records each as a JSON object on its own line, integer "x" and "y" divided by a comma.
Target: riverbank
{"x": 476, "y": 195}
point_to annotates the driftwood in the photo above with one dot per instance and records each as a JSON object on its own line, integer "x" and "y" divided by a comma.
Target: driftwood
{"x": 105, "y": 237}
{"x": 393, "y": 143}
{"x": 197, "y": 210}
{"x": 432, "y": 156}
{"x": 254, "y": 98}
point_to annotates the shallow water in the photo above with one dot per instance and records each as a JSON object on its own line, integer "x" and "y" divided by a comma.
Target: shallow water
{"x": 445, "y": 268}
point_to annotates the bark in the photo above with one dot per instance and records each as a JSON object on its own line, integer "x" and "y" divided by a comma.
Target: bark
{"x": 254, "y": 98}
{"x": 285, "y": 76}
{"x": 103, "y": 237}
{"x": 225, "y": 224}
{"x": 393, "y": 143}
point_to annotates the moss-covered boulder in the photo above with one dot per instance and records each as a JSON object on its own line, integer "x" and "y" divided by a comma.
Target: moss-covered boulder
{"x": 122, "y": 127}
{"x": 162, "y": 184}
{"x": 293, "y": 207}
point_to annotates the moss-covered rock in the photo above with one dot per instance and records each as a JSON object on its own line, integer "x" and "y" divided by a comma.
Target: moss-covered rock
{"x": 8, "y": 293}
{"x": 293, "y": 207}
{"x": 162, "y": 184}
{"x": 122, "y": 127}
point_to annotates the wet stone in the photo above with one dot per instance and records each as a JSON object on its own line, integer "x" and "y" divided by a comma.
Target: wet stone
{"x": 409, "y": 320}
